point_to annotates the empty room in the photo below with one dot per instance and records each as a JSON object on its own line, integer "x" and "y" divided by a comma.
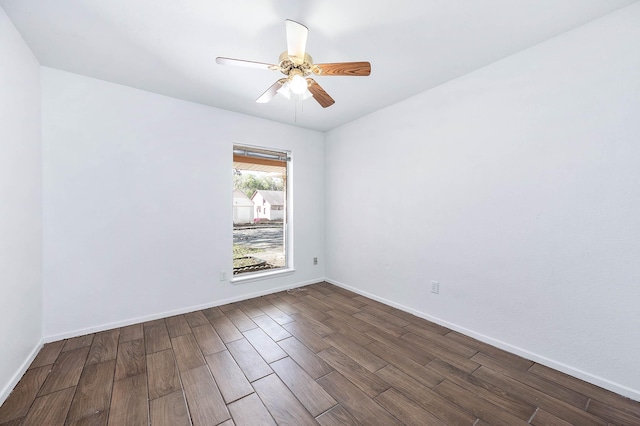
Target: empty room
{"x": 319, "y": 212}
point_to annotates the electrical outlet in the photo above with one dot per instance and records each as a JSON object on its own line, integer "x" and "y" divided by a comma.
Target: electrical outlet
{"x": 223, "y": 276}
{"x": 315, "y": 260}
{"x": 435, "y": 287}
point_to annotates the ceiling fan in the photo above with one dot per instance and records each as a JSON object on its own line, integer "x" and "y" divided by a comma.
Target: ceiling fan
{"x": 296, "y": 64}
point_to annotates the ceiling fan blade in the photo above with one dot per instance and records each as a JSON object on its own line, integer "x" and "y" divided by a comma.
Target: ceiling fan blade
{"x": 246, "y": 64}
{"x": 343, "y": 68}
{"x": 319, "y": 94}
{"x": 296, "y": 41}
{"x": 271, "y": 91}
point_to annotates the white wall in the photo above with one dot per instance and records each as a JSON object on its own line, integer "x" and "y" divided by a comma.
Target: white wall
{"x": 20, "y": 207}
{"x": 138, "y": 203}
{"x": 525, "y": 179}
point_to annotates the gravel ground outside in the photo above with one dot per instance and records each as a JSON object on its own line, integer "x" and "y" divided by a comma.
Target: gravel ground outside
{"x": 267, "y": 238}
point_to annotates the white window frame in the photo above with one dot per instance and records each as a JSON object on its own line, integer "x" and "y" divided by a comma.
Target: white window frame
{"x": 288, "y": 269}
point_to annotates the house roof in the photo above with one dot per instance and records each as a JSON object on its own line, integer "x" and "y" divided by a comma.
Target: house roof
{"x": 274, "y": 198}
{"x": 241, "y": 199}
{"x": 239, "y": 194}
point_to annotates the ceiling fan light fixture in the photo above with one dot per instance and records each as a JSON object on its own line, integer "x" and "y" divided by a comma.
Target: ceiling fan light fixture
{"x": 288, "y": 92}
{"x": 285, "y": 90}
{"x": 298, "y": 84}
{"x": 306, "y": 95}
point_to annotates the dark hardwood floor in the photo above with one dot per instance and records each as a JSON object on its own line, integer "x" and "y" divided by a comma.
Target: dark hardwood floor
{"x": 320, "y": 354}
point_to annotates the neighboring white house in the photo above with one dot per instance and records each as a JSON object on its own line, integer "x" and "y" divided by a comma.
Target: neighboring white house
{"x": 242, "y": 208}
{"x": 268, "y": 204}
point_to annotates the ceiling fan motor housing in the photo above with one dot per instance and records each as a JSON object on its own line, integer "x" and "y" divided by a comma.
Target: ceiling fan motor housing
{"x": 288, "y": 63}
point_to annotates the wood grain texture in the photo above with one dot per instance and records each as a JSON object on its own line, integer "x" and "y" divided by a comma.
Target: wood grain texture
{"x": 436, "y": 352}
{"x": 344, "y": 304}
{"x": 345, "y": 68}
{"x": 311, "y": 363}
{"x": 66, "y": 371}
{"x": 50, "y": 409}
{"x": 276, "y": 314}
{"x": 170, "y": 410}
{"x": 104, "y": 347}
{"x": 557, "y": 391}
{"x": 476, "y": 405}
{"x": 240, "y": 320}
{"x": 368, "y": 382}
{"x": 351, "y": 321}
{"x": 406, "y": 410}
{"x": 131, "y": 332}
{"x": 314, "y": 398}
{"x": 381, "y": 324}
{"x": 388, "y": 316}
{"x": 319, "y": 94}
{"x": 558, "y": 408}
{"x": 252, "y": 364}
{"x": 129, "y": 402}
{"x": 512, "y": 359}
{"x": 250, "y": 411}
{"x": 336, "y": 358}
{"x": 78, "y": 342}
{"x": 358, "y": 353}
{"x": 196, "y": 319}
{"x": 97, "y": 419}
{"x": 18, "y": 403}
{"x": 208, "y": 340}
{"x": 271, "y": 327}
{"x": 490, "y": 393}
{"x": 203, "y": 397}
{"x": 93, "y": 393}
{"x": 612, "y": 414}
{"x": 310, "y": 313}
{"x": 337, "y": 416}
{"x": 212, "y": 313}
{"x": 48, "y": 354}
{"x": 177, "y": 326}
{"x": 344, "y": 329}
{"x": 267, "y": 348}
{"x": 226, "y": 330}
{"x": 250, "y": 309}
{"x": 542, "y": 418}
{"x": 441, "y": 341}
{"x": 131, "y": 359}
{"x": 440, "y": 407}
{"x": 156, "y": 337}
{"x": 307, "y": 336}
{"x": 356, "y": 402}
{"x": 188, "y": 354}
{"x": 408, "y": 349}
{"x": 607, "y": 397}
{"x": 229, "y": 377}
{"x": 425, "y": 376}
{"x": 15, "y": 422}
{"x": 162, "y": 374}
{"x": 281, "y": 403}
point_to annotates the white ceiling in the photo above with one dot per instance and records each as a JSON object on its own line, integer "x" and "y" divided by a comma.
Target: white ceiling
{"x": 169, "y": 46}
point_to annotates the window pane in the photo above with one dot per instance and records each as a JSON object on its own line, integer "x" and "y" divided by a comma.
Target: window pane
{"x": 259, "y": 210}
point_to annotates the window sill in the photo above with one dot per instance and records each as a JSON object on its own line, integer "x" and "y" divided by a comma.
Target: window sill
{"x": 257, "y": 276}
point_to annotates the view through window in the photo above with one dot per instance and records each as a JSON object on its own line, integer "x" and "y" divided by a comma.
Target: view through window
{"x": 259, "y": 210}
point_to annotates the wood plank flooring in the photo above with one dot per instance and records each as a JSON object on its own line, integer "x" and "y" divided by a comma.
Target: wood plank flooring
{"x": 315, "y": 355}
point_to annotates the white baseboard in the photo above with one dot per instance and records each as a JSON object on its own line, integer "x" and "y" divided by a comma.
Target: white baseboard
{"x": 131, "y": 321}
{"x": 8, "y": 388}
{"x": 567, "y": 369}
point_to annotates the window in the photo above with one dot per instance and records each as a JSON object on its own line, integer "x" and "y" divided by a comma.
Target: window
{"x": 260, "y": 212}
